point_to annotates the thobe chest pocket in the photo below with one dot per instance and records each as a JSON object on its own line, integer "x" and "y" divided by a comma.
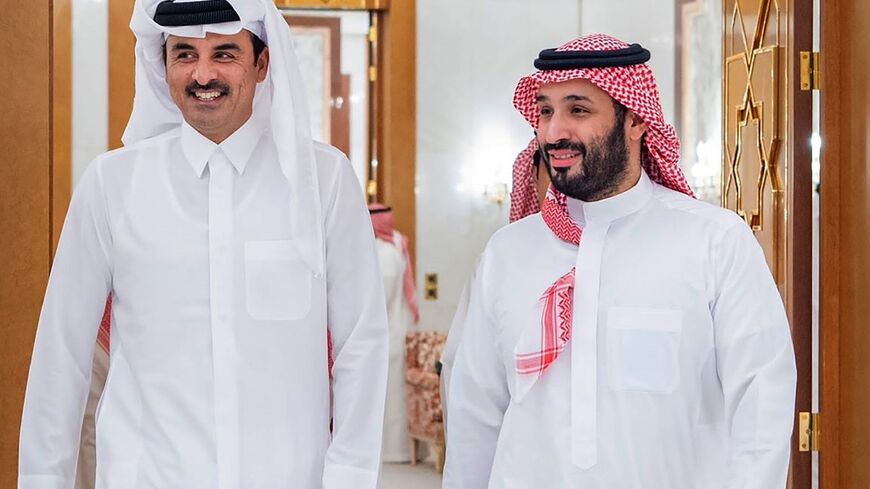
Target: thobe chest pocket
{"x": 643, "y": 349}
{"x": 277, "y": 281}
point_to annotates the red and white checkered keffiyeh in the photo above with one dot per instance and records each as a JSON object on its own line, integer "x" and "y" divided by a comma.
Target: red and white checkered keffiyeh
{"x": 524, "y": 197}
{"x": 634, "y": 87}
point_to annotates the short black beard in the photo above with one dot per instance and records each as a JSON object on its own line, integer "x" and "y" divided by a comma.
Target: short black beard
{"x": 603, "y": 167}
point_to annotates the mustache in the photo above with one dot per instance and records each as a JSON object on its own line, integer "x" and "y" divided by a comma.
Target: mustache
{"x": 212, "y": 85}
{"x": 566, "y": 144}
{"x": 560, "y": 145}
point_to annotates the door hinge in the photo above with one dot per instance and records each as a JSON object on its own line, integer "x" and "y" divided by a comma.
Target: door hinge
{"x": 810, "y": 431}
{"x": 811, "y": 71}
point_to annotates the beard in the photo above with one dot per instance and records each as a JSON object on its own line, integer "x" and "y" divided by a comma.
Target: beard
{"x": 602, "y": 169}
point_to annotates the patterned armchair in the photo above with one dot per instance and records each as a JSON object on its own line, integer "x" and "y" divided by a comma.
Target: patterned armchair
{"x": 425, "y": 419}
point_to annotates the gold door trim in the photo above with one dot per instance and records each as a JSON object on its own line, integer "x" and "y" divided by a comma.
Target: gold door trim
{"x": 754, "y": 112}
{"x": 335, "y": 4}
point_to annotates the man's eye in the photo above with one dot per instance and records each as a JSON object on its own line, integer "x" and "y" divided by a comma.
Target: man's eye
{"x": 184, "y": 56}
{"x": 579, "y": 110}
{"x": 222, "y": 55}
{"x": 546, "y": 111}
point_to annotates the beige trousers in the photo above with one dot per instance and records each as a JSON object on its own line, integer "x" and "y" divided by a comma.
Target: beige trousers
{"x": 87, "y": 464}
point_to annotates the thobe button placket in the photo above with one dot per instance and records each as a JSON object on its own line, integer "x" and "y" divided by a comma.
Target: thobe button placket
{"x": 224, "y": 361}
{"x": 584, "y": 347}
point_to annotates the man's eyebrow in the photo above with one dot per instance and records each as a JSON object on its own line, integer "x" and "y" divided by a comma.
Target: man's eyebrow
{"x": 567, "y": 98}
{"x": 181, "y": 46}
{"x": 230, "y": 46}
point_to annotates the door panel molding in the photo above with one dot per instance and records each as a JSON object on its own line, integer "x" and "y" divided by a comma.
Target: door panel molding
{"x": 766, "y": 174}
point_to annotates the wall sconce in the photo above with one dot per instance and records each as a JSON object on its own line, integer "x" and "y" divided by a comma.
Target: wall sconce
{"x": 486, "y": 171}
{"x": 496, "y": 192}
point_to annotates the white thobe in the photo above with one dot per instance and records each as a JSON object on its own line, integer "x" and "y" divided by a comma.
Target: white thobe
{"x": 454, "y": 337}
{"x": 679, "y": 374}
{"x": 219, "y": 373}
{"x": 392, "y": 260}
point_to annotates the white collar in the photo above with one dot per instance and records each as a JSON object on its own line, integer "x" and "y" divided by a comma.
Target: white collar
{"x": 238, "y": 147}
{"x": 612, "y": 208}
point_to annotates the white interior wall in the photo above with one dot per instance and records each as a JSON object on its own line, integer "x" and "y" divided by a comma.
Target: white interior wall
{"x": 90, "y": 82}
{"x": 648, "y": 23}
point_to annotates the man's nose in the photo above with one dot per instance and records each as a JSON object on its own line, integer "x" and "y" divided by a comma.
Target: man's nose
{"x": 204, "y": 71}
{"x": 557, "y": 129}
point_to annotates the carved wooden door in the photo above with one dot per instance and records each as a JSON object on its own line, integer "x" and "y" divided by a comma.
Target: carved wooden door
{"x": 766, "y": 177}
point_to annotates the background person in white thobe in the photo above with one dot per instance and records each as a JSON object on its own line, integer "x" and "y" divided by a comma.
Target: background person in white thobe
{"x": 670, "y": 364}
{"x": 233, "y": 246}
{"x": 403, "y": 314}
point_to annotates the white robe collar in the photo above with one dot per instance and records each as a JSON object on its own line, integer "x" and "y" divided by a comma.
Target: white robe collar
{"x": 612, "y": 208}
{"x": 238, "y": 147}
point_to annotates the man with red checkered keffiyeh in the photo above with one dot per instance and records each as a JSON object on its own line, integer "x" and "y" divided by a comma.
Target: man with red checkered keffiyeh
{"x": 628, "y": 335}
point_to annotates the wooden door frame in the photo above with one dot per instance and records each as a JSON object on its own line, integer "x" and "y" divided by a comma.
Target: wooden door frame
{"x": 333, "y": 26}
{"x": 829, "y": 244}
{"x": 800, "y": 249}
{"x": 795, "y": 257}
{"x": 35, "y": 179}
{"x": 844, "y": 230}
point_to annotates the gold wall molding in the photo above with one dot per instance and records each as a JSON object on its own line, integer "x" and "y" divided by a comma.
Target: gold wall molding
{"x": 755, "y": 120}
{"x": 753, "y": 107}
{"x": 335, "y": 4}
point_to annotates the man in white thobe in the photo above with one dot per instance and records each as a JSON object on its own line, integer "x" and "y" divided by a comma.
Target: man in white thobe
{"x": 233, "y": 247}
{"x": 670, "y": 364}
{"x": 403, "y": 314}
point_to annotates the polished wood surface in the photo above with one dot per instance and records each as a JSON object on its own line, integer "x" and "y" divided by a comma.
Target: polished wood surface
{"x": 34, "y": 188}
{"x": 61, "y": 108}
{"x": 799, "y": 221}
{"x": 397, "y": 116}
{"x": 829, "y": 248}
{"x": 335, "y": 4}
{"x": 122, "y": 69}
{"x": 845, "y": 232}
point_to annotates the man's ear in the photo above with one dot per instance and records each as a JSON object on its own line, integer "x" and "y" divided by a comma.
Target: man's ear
{"x": 635, "y": 126}
{"x": 263, "y": 65}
